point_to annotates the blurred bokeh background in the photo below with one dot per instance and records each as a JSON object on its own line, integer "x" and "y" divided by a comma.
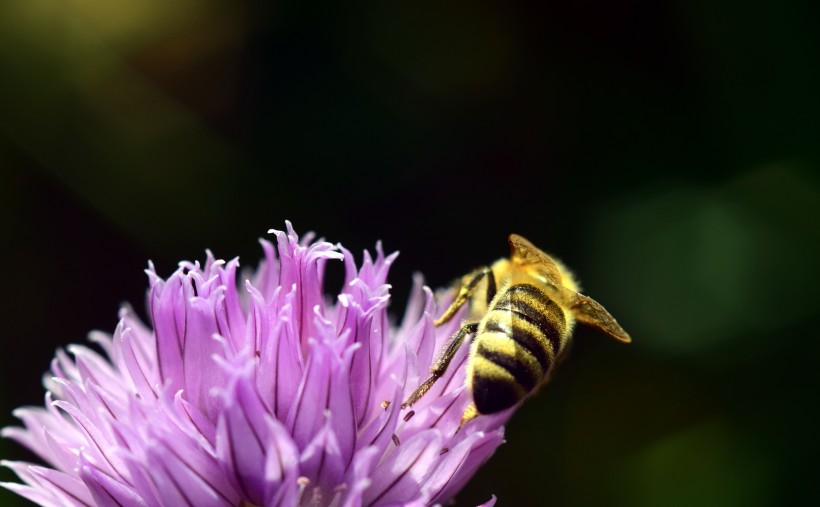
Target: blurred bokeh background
{"x": 667, "y": 151}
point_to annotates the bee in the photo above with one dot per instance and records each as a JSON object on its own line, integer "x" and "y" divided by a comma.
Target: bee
{"x": 521, "y": 314}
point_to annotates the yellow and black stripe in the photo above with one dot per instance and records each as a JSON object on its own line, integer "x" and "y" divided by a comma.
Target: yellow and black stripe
{"x": 516, "y": 345}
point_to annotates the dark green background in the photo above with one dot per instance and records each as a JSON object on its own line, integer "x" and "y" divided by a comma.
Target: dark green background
{"x": 667, "y": 151}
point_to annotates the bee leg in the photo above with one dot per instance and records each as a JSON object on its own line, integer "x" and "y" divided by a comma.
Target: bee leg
{"x": 441, "y": 363}
{"x": 470, "y": 413}
{"x": 466, "y": 291}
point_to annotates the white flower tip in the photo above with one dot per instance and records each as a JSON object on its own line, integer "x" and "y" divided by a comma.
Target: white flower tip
{"x": 97, "y": 336}
{"x": 74, "y": 349}
{"x": 19, "y": 412}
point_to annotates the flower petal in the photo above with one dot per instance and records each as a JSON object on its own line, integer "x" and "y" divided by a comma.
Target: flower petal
{"x": 302, "y": 266}
{"x": 99, "y": 443}
{"x": 201, "y": 374}
{"x": 379, "y": 433}
{"x": 266, "y": 278}
{"x": 449, "y": 466}
{"x": 168, "y": 313}
{"x": 69, "y": 488}
{"x": 481, "y": 450}
{"x": 322, "y": 458}
{"x": 364, "y": 369}
{"x": 37, "y": 495}
{"x": 280, "y": 361}
{"x": 399, "y": 477}
{"x": 106, "y": 490}
{"x": 51, "y": 488}
{"x": 281, "y": 466}
{"x": 195, "y": 484}
{"x": 31, "y": 436}
{"x": 234, "y": 330}
{"x": 313, "y": 398}
{"x": 242, "y": 437}
{"x": 136, "y": 372}
{"x": 358, "y": 479}
{"x": 443, "y": 413}
{"x": 200, "y": 425}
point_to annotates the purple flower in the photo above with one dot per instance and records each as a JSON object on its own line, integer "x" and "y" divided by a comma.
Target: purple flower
{"x": 266, "y": 393}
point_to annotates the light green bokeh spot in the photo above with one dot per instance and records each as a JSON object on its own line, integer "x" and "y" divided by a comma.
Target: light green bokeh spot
{"x": 703, "y": 465}
{"x": 695, "y": 267}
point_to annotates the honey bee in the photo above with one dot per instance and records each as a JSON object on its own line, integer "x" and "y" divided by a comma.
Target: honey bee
{"x": 521, "y": 314}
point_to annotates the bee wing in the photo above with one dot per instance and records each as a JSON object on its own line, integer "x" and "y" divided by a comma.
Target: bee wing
{"x": 585, "y": 309}
{"x": 590, "y": 312}
{"x": 524, "y": 253}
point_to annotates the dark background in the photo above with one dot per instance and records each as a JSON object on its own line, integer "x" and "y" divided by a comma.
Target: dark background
{"x": 667, "y": 151}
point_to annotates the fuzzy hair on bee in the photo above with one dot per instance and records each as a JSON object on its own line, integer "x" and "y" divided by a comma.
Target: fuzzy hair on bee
{"x": 521, "y": 313}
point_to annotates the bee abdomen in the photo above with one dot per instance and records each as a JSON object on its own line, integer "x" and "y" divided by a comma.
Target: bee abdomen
{"x": 520, "y": 363}
{"x": 503, "y": 371}
{"x": 527, "y": 304}
{"x": 525, "y": 334}
{"x": 494, "y": 388}
{"x": 515, "y": 347}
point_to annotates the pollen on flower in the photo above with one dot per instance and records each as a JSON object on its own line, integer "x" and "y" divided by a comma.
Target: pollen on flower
{"x": 264, "y": 393}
